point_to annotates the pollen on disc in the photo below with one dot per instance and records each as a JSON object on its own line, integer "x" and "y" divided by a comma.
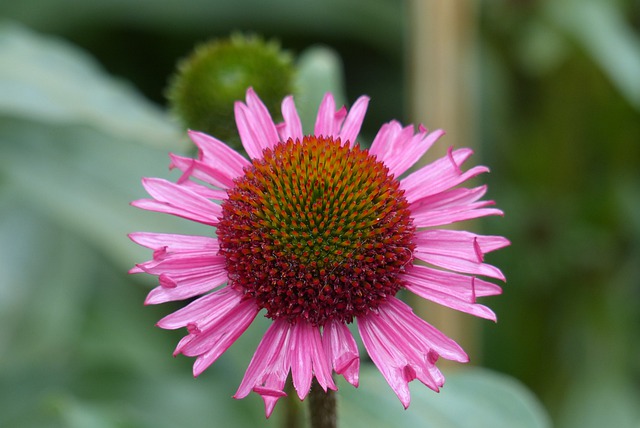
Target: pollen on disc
{"x": 316, "y": 230}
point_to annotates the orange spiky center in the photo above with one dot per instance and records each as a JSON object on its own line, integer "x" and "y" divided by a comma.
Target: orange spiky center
{"x": 316, "y": 230}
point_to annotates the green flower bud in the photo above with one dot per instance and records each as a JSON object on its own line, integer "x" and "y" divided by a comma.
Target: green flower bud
{"x": 218, "y": 73}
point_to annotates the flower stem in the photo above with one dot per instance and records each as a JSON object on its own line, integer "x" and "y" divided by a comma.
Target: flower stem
{"x": 292, "y": 412}
{"x": 322, "y": 407}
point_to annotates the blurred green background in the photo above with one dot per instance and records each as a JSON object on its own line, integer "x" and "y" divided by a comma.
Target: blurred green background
{"x": 83, "y": 117}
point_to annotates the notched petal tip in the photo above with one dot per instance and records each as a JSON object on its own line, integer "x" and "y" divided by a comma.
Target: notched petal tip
{"x": 135, "y": 269}
{"x": 270, "y": 396}
{"x": 166, "y": 281}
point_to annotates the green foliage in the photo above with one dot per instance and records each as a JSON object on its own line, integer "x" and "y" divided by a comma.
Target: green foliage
{"x": 560, "y": 129}
{"x": 78, "y": 348}
{"x": 319, "y": 72}
{"x": 564, "y": 144}
{"x": 470, "y": 398}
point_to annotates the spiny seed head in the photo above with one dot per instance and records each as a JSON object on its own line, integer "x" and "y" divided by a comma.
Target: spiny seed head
{"x": 217, "y": 73}
{"x": 316, "y": 230}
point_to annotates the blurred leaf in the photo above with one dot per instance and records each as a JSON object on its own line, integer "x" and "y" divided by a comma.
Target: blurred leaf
{"x": 319, "y": 71}
{"x": 596, "y": 399}
{"x": 49, "y": 80}
{"x": 84, "y": 181}
{"x": 470, "y": 398}
{"x": 601, "y": 28}
{"x": 75, "y": 143}
{"x": 342, "y": 19}
{"x": 76, "y": 344}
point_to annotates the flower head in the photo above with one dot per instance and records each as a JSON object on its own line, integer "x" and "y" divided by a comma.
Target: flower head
{"x": 317, "y": 232}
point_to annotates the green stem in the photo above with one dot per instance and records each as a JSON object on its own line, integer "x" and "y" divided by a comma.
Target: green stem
{"x": 322, "y": 407}
{"x": 292, "y": 416}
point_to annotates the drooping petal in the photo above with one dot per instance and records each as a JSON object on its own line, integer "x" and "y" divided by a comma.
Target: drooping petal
{"x": 402, "y": 316}
{"x": 285, "y": 347}
{"x": 214, "y": 322}
{"x": 308, "y": 358}
{"x": 405, "y": 347}
{"x": 255, "y": 125}
{"x": 399, "y": 148}
{"x": 316, "y": 341}
{"x": 209, "y": 344}
{"x": 342, "y": 351}
{"x": 269, "y": 367}
{"x": 224, "y": 334}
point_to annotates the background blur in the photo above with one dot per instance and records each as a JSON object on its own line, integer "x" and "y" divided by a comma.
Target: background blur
{"x": 555, "y": 113}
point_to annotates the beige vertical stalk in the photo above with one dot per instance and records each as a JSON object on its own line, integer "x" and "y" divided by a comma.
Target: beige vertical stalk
{"x": 440, "y": 92}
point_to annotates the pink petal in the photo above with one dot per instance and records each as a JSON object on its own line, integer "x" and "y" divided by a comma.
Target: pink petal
{"x": 404, "y": 347}
{"x": 203, "y": 311}
{"x": 209, "y": 344}
{"x": 399, "y": 148}
{"x": 184, "y": 274}
{"x": 353, "y": 121}
{"x": 454, "y": 250}
{"x": 458, "y": 243}
{"x": 308, "y": 358}
{"x": 341, "y": 350}
{"x": 255, "y": 125}
{"x": 269, "y": 367}
{"x": 292, "y": 127}
{"x": 222, "y": 332}
{"x": 193, "y": 168}
{"x": 451, "y": 206}
{"x": 463, "y": 287}
{"x": 174, "y": 199}
{"x": 204, "y": 191}
{"x": 184, "y": 262}
{"x": 188, "y": 285}
{"x": 174, "y": 242}
{"x": 216, "y": 154}
{"x": 454, "y": 215}
{"x": 431, "y": 287}
{"x": 163, "y": 207}
{"x": 460, "y": 265}
{"x": 329, "y": 120}
{"x": 448, "y": 198}
{"x": 439, "y": 175}
{"x": 402, "y": 316}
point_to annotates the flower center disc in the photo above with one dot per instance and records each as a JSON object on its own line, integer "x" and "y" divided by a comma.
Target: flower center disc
{"x": 316, "y": 230}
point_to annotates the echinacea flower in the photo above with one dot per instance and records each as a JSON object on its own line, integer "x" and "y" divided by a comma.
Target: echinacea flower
{"x": 317, "y": 232}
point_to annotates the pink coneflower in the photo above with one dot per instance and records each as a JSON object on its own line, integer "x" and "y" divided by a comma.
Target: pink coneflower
{"x": 317, "y": 232}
